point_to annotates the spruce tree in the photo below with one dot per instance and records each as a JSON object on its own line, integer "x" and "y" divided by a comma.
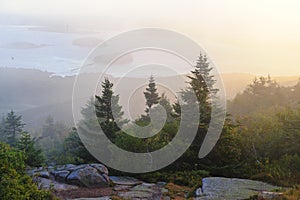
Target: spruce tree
{"x": 108, "y": 110}
{"x": 201, "y": 84}
{"x": 151, "y": 95}
{"x": 33, "y": 155}
{"x": 13, "y": 126}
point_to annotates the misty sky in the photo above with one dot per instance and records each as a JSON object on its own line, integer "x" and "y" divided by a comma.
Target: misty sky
{"x": 257, "y": 36}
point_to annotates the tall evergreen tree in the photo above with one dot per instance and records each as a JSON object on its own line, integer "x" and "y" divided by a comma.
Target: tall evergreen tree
{"x": 13, "y": 126}
{"x": 201, "y": 81}
{"x": 201, "y": 84}
{"x": 151, "y": 95}
{"x": 33, "y": 155}
{"x": 108, "y": 110}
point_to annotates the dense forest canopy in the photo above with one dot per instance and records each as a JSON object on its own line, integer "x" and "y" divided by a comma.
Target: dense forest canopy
{"x": 262, "y": 93}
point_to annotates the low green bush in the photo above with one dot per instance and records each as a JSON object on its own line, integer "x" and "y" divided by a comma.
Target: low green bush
{"x": 14, "y": 183}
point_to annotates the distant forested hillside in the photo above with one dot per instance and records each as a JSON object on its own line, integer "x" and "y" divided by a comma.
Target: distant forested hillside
{"x": 36, "y": 94}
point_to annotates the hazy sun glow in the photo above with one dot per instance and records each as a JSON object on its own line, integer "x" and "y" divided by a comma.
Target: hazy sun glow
{"x": 258, "y": 36}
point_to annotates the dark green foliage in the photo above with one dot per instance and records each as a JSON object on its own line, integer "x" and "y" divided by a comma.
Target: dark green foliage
{"x": 201, "y": 85}
{"x": 130, "y": 143}
{"x": 74, "y": 151}
{"x": 162, "y": 138}
{"x": 262, "y": 143}
{"x": 270, "y": 142}
{"x": 33, "y": 155}
{"x": 104, "y": 111}
{"x": 14, "y": 183}
{"x": 151, "y": 95}
{"x": 108, "y": 110}
{"x": 15, "y": 136}
{"x": 150, "y": 144}
{"x": 13, "y": 127}
{"x": 226, "y": 158}
{"x": 202, "y": 82}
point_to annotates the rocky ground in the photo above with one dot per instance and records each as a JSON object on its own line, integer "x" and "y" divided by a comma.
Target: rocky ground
{"x": 91, "y": 182}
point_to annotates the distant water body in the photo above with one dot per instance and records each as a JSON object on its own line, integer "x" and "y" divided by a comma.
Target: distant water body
{"x": 62, "y": 50}
{"x": 47, "y": 49}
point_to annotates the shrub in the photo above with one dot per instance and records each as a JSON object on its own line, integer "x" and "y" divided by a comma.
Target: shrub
{"x": 14, "y": 183}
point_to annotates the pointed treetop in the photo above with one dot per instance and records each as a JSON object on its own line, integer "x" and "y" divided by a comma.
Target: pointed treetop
{"x": 151, "y": 94}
